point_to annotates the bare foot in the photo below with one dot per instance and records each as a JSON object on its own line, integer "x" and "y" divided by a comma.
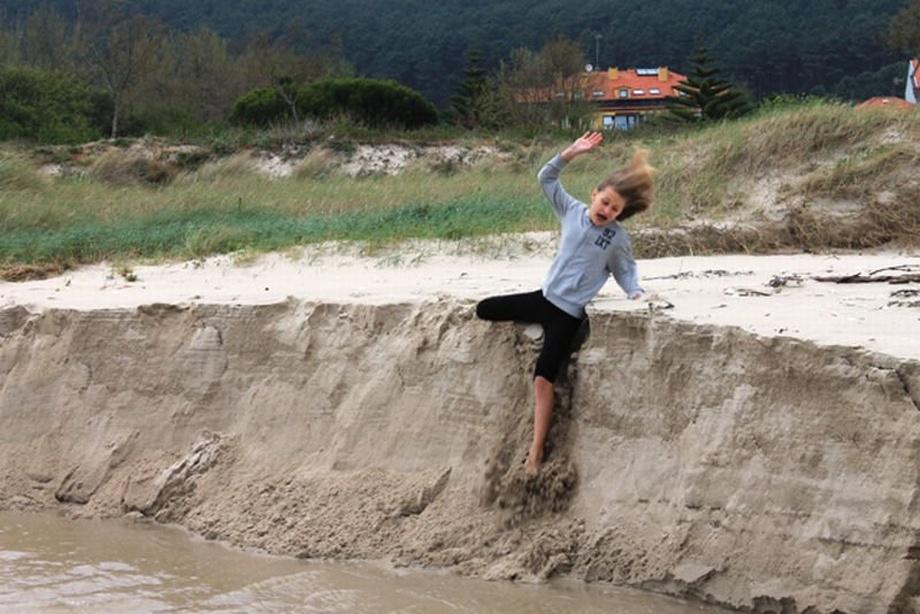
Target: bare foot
{"x": 532, "y": 465}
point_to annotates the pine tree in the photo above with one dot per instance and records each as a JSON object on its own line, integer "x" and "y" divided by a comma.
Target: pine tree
{"x": 705, "y": 96}
{"x": 473, "y": 92}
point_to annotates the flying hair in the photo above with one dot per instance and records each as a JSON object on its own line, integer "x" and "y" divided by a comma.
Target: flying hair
{"x": 634, "y": 183}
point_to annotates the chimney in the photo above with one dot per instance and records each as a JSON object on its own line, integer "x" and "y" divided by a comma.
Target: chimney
{"x": 663, "y": 73}
{"x": 613, "y": 73}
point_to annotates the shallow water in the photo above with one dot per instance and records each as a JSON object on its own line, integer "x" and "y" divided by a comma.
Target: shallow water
{"x": 51, "y": 564}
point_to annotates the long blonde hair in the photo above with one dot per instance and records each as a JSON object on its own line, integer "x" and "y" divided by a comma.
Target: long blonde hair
{"x": 634, "y": 183}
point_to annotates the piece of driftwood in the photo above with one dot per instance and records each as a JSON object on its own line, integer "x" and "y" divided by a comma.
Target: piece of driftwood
{"x": 860, "y": 279}
{"x": 707, "y": 273}
{"x": 745, "y": 292}
{"x": 905, "y": 298}
{"x": 874, "y": 277}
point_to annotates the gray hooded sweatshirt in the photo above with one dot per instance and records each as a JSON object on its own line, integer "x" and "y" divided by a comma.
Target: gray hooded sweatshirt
{"x": 588, "y": 254}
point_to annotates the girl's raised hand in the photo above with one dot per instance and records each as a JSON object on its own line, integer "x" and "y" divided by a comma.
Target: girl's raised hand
{"x": 585, "y": 143}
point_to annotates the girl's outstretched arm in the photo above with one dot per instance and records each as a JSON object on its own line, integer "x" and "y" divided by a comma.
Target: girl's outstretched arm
{"x": 549, "y": 174}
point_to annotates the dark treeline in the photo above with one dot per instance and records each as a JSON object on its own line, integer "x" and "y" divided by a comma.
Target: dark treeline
{"x": 825, "y": 47}
{"x": 109, "y": 69}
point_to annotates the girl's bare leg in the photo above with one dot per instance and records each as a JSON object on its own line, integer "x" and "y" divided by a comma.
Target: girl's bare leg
{"x": 542, "y": 414}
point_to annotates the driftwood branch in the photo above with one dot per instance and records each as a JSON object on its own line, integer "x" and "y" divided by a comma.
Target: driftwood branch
{"x": 860, "y": 279}
{"x": 874, "y": 277}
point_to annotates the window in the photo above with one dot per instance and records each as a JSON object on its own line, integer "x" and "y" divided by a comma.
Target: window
{"x": 624, "y": 93}
{"x": 598, "y": 93}
{"x": 578, "y": 96}
{"x": 560, "y": 94}
{"x": 638, "y": 92}
{"x": 625, "y": 122}
{"x": 654, "y": 91}
{"x": 608, "y": 121}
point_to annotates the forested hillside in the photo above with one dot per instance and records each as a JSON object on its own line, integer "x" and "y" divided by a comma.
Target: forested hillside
{"x": 833, "y": 47}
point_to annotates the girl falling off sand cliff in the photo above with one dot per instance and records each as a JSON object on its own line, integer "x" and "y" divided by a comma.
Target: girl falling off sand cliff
{"x": 593, "y": 246}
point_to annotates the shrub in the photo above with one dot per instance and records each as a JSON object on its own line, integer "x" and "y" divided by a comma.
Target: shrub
{"x": 259, "y": 107}
{"x": 46, "y": 106}
{"x": 373, "y": 102}
{"x": 370, "y": 101}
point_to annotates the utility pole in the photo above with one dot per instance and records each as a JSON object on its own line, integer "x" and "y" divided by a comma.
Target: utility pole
{"x": 597, "y": 51}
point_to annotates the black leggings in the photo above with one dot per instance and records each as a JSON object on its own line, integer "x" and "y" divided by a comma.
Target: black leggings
{"x": 559, "y": 328}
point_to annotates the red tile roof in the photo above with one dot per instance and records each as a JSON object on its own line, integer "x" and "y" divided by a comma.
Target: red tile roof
{"x": 890, "y": 102}
{"x": 611, "y": 81}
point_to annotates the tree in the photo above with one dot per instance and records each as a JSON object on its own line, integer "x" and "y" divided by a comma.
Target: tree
{"x": 564, "y": 60}
{"x": 264, "y": 62}
{"x": 536, "y": 88}
{"x": 468, "y": 102}
{"x": 268, "y": 62}
{"x": 45, "y": 106}
{"x": 9, "y": 48}
{"x": 904, "y": 30}
{"x": 704, "y": 96}
{"x": 48, "y": 39}
{"x": 287, "y": 90}
{"x": 120, "y": 47}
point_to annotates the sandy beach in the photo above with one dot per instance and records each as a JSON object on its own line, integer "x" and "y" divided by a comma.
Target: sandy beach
{"x": 733, "y": 290}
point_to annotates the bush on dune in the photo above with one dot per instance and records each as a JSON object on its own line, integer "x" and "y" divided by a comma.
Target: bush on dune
{"x": 372, "y": 102}
{"x": 47, "y": 107}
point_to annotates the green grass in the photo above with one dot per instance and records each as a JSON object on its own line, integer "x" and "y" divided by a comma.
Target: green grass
{"x": 200, "y": 232}
{"x": 223, "y": 206}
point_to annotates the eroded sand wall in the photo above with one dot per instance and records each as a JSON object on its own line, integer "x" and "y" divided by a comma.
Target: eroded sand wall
{"x": 754, "y": 472}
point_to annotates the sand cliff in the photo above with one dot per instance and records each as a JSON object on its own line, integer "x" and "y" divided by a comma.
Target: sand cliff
{"x": 771, "y": 473}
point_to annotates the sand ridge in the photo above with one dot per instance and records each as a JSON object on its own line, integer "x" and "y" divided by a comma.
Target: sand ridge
{"x": 721, "y": 440}
{"x": 730, "y": 290}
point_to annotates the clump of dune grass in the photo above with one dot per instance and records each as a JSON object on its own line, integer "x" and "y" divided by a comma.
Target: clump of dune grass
{"x": 863, "y": 173}
{"x": 240, "y": 164}
{"x": 318, "y": 163}
{"x": 28, "y": 272}
{"x": 304, "y": 131}
{"x": 17, "y": 175}
{"x": 122, "y": 168}
{"x": 219, "y": 238}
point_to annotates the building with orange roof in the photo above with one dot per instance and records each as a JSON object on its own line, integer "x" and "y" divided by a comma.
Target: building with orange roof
{"x": 621, "y": 97}
{"x": 885, "y": 102}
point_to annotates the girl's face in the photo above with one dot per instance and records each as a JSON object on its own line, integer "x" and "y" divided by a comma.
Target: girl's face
{"x": 606, "y": 205}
